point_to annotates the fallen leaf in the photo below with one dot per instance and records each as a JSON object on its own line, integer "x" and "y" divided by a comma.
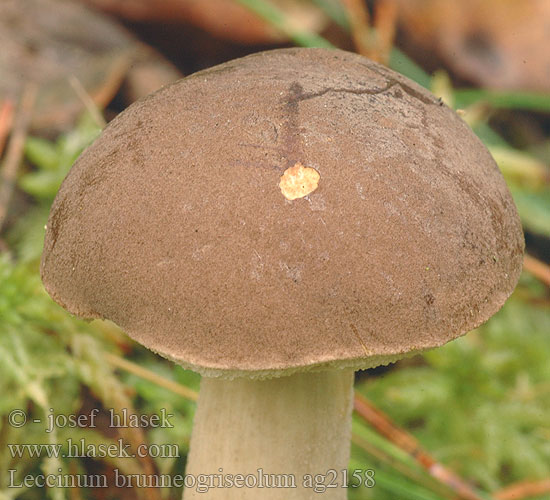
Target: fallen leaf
{"x": 502, "y": 44}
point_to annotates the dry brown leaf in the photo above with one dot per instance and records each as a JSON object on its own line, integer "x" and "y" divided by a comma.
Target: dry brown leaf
{"x": 225, "y": 19}
{"x": 48, "y": 42}
{"x": 501, "y": 44}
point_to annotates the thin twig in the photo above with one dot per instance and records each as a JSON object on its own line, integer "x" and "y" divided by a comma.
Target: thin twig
{"x": 135, "y": 436}
{"x": 74, "y": 493}
{"x": 409, "y": 444}
{"x": 4, "y": 457}
{"x": 106, "y": 92}
{"x": 385, "y": 18}
{"x": 374, "y": 41}
{"x": 146, "y": 374}
{"x": 6, "y": 121}
{"x": 88, "y": 102}
{"x": 359, "y": 19}
{"x": 526, "y": 489}
{"x": 403, "y": 469}
{"x": 537, "y": 268}
{"x": 14, "y": 152}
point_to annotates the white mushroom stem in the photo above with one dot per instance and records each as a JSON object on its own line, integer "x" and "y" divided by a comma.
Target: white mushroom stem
{"x": 274, "y": 433}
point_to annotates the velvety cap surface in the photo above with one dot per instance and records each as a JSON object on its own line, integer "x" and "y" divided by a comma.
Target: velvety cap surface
{"x": 294, "y": 208}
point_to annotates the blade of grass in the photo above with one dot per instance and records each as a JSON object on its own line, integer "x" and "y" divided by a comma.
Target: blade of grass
{"x": 402, "y": 488}
{"x": 531, "y": 101}
{"x": 401, "y": 467}
{"x": 489, "y": 136}
{"x": 334, "y": 10}
{"x": 533, "y": 209}
{"x": 521, "y": 168}
{"x": 398, "y": 60}
{"x": 88, "y": 102}
{"x": 408, "y": 443}
{"x": 161, "y": 381}
{"x": 278, "y": 19}
{"x": 401, "y": 62}
{"x": 15, "y": 150}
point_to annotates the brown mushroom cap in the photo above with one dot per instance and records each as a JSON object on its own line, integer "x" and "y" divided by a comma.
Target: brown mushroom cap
{"x": 174, "y": 223}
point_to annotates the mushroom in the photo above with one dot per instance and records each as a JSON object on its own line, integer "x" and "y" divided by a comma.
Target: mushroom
{"x": 275, "y": 223}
